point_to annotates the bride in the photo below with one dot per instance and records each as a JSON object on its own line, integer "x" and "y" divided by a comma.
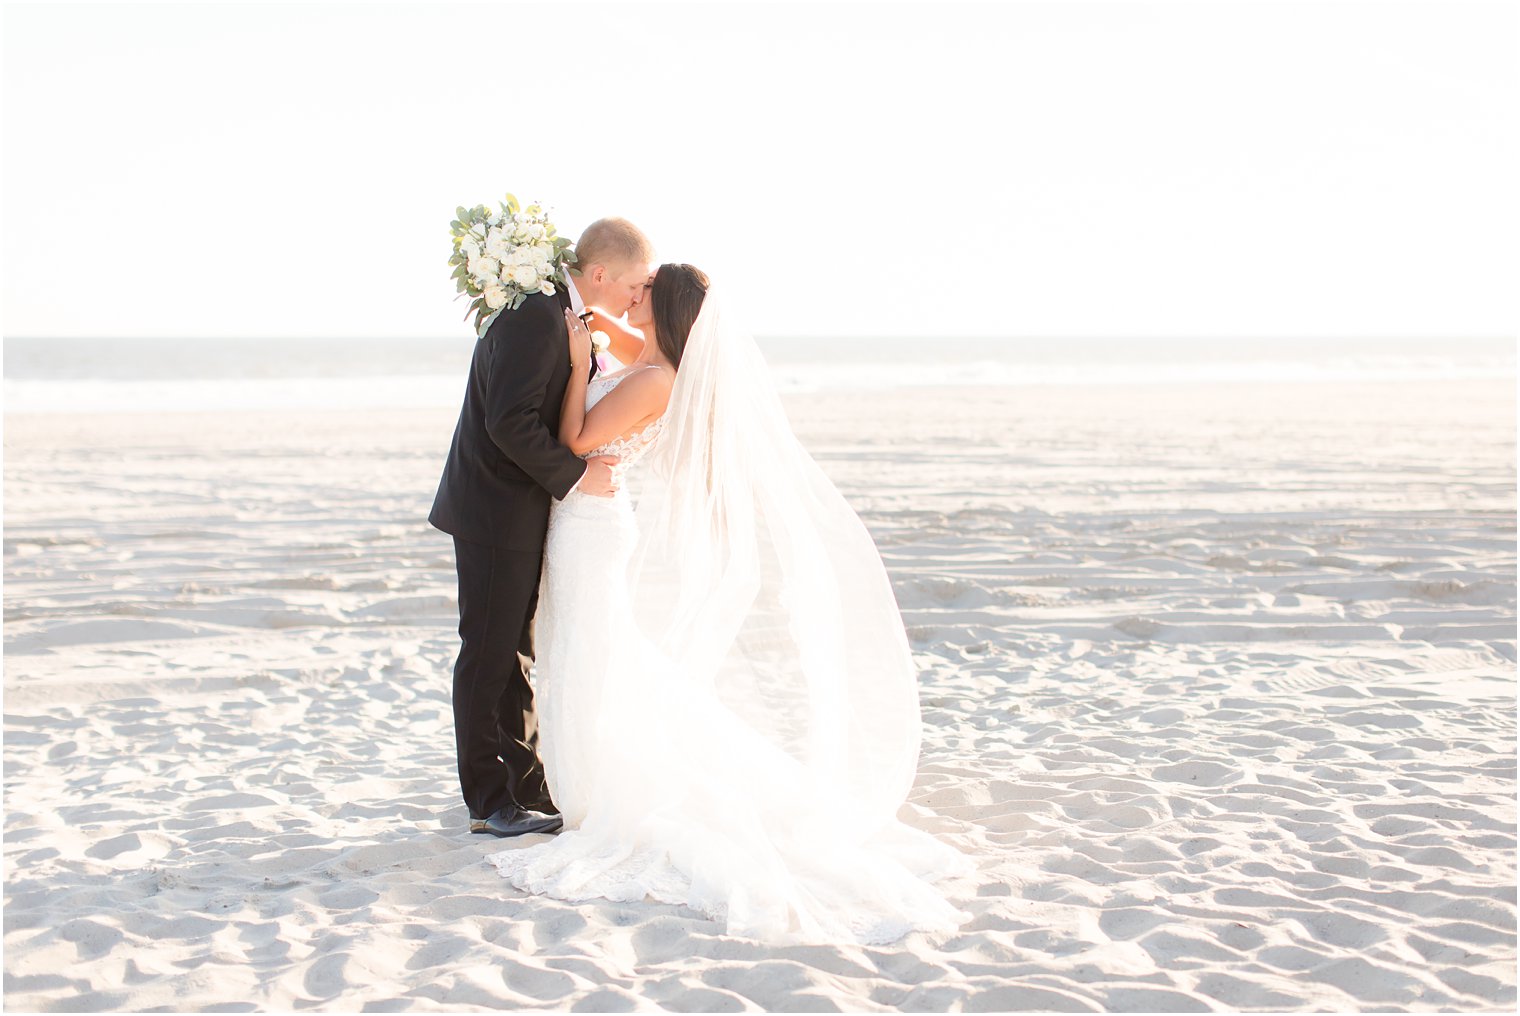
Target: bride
{"x": 728, "y": 709}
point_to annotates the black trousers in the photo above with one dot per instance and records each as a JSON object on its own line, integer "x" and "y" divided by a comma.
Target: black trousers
{"x": 495, "y": 727}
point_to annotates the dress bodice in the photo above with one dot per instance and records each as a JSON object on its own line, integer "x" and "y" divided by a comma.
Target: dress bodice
{"x": 630, "y": 447}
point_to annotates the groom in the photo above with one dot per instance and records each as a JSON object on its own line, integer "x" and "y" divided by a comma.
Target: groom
{"x": 504, "y": 465}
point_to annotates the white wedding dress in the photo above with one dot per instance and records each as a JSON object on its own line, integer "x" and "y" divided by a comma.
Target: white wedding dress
{"x": 582, "y": 617}
{"x": 718, "y": 728}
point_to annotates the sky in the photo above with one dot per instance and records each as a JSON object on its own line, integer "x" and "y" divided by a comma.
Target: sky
{"x": 1210, "y": 169}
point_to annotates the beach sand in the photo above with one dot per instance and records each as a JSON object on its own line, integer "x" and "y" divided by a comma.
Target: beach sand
{"x": 1218, "y": 689}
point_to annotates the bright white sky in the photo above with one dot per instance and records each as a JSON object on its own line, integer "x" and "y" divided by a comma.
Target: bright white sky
{"x": 1068, "y": 168}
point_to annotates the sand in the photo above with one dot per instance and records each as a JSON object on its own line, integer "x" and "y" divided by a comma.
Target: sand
{"x": 1218, "y": 687}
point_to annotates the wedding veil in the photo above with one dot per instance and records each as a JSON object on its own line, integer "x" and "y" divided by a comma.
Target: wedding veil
{"x": 759, "y": 584}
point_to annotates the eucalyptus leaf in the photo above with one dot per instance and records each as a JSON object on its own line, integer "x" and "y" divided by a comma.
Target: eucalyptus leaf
{"x": 484, "y": 323}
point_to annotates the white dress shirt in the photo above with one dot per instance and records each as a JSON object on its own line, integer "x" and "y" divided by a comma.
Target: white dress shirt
{"x": 577, "y": 305}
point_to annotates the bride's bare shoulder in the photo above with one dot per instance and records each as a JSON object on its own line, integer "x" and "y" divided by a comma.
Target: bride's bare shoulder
{"x": 643, "y": 391}
{"x": 665, "y": 375}
{"x": 650, "y": 380}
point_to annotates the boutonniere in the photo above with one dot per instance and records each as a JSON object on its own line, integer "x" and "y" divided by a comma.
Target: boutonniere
{"x": 600, "y": 343}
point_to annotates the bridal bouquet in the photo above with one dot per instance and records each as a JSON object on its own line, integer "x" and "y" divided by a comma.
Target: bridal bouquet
{"x": 501, "y": 257}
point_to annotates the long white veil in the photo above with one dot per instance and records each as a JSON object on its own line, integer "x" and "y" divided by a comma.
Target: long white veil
{"x": 759, "y": 581}
{"x": 770, "y": 622}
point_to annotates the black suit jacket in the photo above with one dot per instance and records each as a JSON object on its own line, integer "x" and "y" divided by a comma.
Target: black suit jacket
{"x": 506, "y": 460}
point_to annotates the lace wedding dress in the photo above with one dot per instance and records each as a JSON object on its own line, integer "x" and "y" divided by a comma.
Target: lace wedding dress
{"x": 728, "y": 712}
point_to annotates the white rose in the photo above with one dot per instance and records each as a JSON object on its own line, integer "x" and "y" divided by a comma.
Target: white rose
{"x": 496, "y": 243}
{"x": 485, "y": 268}
{"x": 496, "y": 297}
{"x": 471, "y": 249}
{"x": 546, "y": 287}
{"x": 540, "y": 261}
{"x": 545, "y": 248}
{"x": 536, "y": 230}
{"x": 526, "y": 276}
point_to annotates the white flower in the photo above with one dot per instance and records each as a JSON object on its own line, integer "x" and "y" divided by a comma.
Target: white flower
{"x": 536, "y": 230}
{"x": 546, "y": 287}
{"x": 545, "y": 248}
{"x": 600, "y": 341}
{"x": 471, "y": 248}
{"x": 496, "y": 243}
{"x": 496, "y": 296}
{"x": 526, "y": 276}
{"x": 485, "y": 268}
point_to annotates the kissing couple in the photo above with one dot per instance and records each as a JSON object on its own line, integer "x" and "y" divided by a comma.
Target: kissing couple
{"x": 705, "y": 691}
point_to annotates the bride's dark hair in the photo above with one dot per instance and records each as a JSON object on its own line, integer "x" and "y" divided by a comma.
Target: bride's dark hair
{"x": 677, "y": 294}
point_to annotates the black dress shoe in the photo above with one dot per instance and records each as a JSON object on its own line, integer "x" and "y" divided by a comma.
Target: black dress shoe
{"x": 515, "y": 821}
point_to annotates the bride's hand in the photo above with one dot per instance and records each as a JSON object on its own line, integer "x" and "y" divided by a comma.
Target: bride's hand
{"x": 579, "y": 338}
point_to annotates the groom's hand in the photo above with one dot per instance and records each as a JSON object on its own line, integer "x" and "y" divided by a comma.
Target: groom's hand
{"x": 598, "y": 479}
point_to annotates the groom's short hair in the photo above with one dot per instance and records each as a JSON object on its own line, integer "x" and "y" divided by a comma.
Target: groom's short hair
{"x": 612, "y": 241}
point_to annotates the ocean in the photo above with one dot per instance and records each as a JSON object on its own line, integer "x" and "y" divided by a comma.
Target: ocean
{"x": 165, "y": 375}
